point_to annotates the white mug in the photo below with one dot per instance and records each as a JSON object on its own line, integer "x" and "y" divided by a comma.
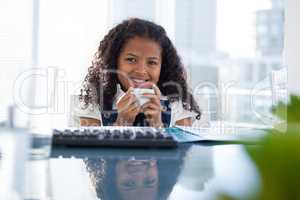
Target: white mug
{"x": 138, "y": 92}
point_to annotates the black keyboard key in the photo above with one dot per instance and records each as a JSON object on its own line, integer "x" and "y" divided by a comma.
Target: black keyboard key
{"x": 107, "y": 134}
{"x": 101, "y": 136}
{"x": 140, "y": 135}
{"x": 57, "y": 132}
{"x": 116, "y": 134}
{"x": 77, "y": 133}
{"x": 127, "y": 134}
{"x": 96, "y": 132}
{"x": 67, "y": 133}
{"x": 149, "y": 135}
{"x": 168, "y": 137}
{"x": 87, "y": 132}
{"x": 159, "y": 135}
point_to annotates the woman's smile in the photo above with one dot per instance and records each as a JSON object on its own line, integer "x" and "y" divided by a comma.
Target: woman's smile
{"x": 140, "y": 83}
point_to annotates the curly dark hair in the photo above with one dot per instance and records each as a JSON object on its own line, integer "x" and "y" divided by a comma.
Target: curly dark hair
{"x": 101, "y": 80}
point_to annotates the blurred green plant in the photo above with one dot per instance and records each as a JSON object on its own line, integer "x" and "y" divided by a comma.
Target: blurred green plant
{"x": 278, "y": 158}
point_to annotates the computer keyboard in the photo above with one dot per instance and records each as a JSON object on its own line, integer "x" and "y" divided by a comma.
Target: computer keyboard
{"x": 112, "y": 136}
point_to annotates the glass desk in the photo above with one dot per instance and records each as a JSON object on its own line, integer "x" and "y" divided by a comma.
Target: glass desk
{"x": 196, "y": 171}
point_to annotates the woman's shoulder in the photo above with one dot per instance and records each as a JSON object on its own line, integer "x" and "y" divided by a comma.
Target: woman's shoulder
{"x": 177, "y": 106}
{"x": 178, "y": 112}
{"x": 79, "y": 109}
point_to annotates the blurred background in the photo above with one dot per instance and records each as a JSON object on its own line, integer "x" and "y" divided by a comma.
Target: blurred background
{"x": 229, "y": 48}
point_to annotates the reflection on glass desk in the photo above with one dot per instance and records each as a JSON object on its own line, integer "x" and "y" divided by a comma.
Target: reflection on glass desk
{"x": 188, "y": 172}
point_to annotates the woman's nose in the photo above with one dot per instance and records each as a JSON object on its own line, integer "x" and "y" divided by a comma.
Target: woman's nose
{"x": 141, "y": 67}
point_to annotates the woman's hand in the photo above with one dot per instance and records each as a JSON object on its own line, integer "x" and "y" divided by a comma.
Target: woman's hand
{"x": 152, "y": 109}
{"x": 128, "y": 108}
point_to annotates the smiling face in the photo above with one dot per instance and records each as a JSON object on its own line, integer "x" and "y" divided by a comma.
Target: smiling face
{"x": 139, "y": 62}
{"x": 137, "y": 178}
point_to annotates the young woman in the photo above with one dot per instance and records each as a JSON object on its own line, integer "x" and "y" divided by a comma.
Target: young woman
{"x": 136, "y": 54}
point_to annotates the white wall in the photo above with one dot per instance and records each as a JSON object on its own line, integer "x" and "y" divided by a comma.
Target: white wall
{"x": 292, "y": 44}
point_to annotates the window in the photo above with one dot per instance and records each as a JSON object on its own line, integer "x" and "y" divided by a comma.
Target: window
{"x": 221, "y": 40}
{"x": 15, "y": 48}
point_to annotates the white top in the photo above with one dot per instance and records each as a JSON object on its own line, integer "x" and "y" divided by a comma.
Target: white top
{"x": 93, "y": 111}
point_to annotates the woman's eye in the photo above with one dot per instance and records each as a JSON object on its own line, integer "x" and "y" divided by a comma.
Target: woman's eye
{"x": 149, "y": 182}
{"x": 152, "y": 63}
{"x": 128, "y": 184}
{"x": 131, "y": 60}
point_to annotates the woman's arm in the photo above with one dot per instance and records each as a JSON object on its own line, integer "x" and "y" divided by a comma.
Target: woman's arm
{"x": 84, "y": 121}
{"x": 184, "y": 122}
